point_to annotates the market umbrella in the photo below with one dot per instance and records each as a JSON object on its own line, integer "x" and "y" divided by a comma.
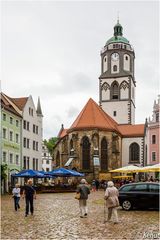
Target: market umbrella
{"x": 129, "y": 169}
{"x": 29, "y": 173}
{"x": 46, "y": 174}
{"x": 62, "y": 172}
{"x": 152, "y": 168}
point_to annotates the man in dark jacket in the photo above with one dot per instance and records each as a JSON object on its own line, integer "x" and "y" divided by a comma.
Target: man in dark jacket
{"x": 30, "y": 194}
{"x": 83, "y": 189}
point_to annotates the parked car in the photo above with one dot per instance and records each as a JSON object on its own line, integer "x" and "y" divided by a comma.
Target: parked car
{"x": 139, "y": 195}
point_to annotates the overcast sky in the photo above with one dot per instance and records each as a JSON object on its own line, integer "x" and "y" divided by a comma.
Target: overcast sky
{"x": 52, "y": 50}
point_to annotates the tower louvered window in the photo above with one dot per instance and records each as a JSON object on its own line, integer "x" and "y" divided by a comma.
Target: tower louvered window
{"x": 115, "y": 91}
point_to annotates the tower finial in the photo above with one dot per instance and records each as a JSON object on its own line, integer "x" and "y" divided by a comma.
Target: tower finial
{"x": 118, "y": 17}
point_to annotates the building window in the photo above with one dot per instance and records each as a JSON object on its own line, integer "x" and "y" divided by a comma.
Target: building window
{"x": 37, "y": 129}
{"x": 44, "y": 154}
{"x": 115, "y": 91}
{"x": 153, "y": 139}
{"x": 47, "y": 161}
{"x": 28, "y": 126}
{"x": 115, "y": 68}
{"x": 126, "y": 57}
{"x": 4, "y": 157}
{"x": 17, "y": 123}
{"x": 114, "y": 113}
{"x": 17, "y": 159}
{"x": 34, "y": 128}
{"x": 24, "y": 124}
{"x": 36, "y": 146}
{"x": 134, "y": 152}
{"x": 27, "y": 143}
{"x": 11, "y": 120}
{"x": 4, "y": 133}
{"x": 34, "y": 164}
{"x": 157, "y": 117}
{"x": 11, "y": 136}
{"x": 24, "y": 142}
{"x": 4, "y": 117}
{"x": 85, "y": 153}
{"x": 47, "y": 169}
{"x": 17, "y": 138}
{"x": 24, "y": 163}
{"x": 11, "y": 158}
{"x": 104, "y": 154}
{"x": 27, "y": 162}
{"x": 153, "y": 156}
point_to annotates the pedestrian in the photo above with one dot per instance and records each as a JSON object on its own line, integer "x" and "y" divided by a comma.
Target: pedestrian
{"x": 16, "y": 196}
{"x": 97, "y": 184}
{"x": 83, "y": 189}
{"x": 29, "y": 193}
{"x": 112, "y": 202}
{"x": 93, "y": 185}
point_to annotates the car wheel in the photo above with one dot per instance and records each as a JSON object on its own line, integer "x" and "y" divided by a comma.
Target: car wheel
{"x": 126, "y": 205}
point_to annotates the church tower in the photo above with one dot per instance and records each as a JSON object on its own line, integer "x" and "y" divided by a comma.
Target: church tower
{"x": 116, "y": 82}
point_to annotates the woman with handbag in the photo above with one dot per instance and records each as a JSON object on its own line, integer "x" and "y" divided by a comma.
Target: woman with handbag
{"x": 83, "y": 191}
{"x": 112, "y": 202}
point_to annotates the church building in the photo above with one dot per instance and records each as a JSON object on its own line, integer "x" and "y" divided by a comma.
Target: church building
{"x": 104, "y": 137}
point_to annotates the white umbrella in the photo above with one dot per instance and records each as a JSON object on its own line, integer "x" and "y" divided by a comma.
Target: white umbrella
{"x": 152, "y": 168}
{"x": 130, "y": 168}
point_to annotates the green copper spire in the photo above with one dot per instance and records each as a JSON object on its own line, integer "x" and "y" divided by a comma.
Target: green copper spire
{"x": 118, "y": 35}
{"x": 118, "y": 29}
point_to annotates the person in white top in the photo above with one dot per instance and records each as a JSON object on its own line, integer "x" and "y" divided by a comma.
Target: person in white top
{"x": 112, "y": 202}
{"x": 16, "y": 196}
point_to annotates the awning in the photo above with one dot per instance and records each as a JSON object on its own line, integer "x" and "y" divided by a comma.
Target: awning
{"x": 68, "y": 162}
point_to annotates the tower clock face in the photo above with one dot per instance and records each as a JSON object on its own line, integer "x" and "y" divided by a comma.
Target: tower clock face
{"x": 115, "y": 56}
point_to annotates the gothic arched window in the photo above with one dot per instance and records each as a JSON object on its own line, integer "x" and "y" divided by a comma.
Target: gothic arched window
{"x": 58, "y": 159}
{"x": 104, "y": 154}
{"x": 115, "y": 90}
{"x": 71, "y": 147}
{"x": 134, "y": 152}
{"x": 85, "y": 153}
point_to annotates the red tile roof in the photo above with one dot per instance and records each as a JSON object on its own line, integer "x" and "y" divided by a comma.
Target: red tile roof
{"x": 136, "y": 130}
{"x": 20, "y": 102}
{"x": 92, "y": 116}
{"x": 63, "y": 133}
{"x": 6, "y": 105}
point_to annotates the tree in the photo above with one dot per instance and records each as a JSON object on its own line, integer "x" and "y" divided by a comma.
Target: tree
{"x": 50, "y": 144}
{"x": 3, "y": 171}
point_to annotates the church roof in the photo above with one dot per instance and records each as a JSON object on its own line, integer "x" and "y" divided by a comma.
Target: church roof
{"x": 93, "y": 116}
{"x": 136, "y": 130}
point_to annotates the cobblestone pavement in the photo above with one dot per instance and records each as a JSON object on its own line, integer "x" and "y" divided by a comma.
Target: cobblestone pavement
{"x": 57, "y": 217}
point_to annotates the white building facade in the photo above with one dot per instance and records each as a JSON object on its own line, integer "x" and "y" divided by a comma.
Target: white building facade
{"x": 46, "y": 159}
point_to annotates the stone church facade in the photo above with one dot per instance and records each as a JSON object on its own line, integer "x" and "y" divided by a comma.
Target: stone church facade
{"x": 104, "y": 137}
